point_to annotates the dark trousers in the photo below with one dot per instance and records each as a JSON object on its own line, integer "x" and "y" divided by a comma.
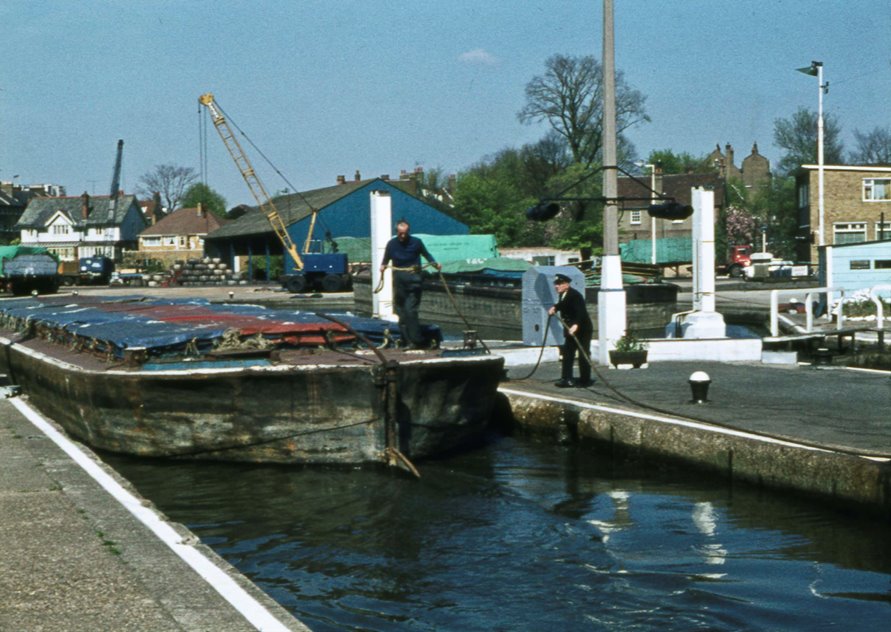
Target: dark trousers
{"x": 407, "y": 301}
{"x": 569, "y": 350}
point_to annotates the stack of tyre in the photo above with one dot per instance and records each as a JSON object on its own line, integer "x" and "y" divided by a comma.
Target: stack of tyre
{"x": 207, "y": 271}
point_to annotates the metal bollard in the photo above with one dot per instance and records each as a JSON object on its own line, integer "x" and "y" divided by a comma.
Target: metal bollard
{"x": 699, "y": 383}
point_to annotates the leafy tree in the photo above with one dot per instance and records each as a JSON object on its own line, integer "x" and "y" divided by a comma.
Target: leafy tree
{"x": 170, "y": 181}
{"x": 797, "y": 135}
{"x": 569, "y": 96}
{"x": 675, "y": 163}
{"x": 873, "y": 147}
{"x": 209, "y": 199}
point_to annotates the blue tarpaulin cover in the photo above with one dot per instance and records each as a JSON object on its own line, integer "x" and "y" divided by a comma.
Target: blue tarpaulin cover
{"x": 167, "y": 326}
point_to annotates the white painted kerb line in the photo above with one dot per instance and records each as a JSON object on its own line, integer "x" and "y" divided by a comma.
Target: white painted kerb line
{"x": 252, "y": 610}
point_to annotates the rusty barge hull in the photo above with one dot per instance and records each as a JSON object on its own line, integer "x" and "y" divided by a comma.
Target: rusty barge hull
{"x": 298, "y": 414}
{"x": 191, "y": 379}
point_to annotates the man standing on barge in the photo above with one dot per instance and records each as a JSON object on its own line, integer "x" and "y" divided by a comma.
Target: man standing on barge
{"x": 404, "y": 252}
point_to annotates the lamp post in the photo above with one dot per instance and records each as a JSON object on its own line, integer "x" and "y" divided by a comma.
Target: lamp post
{"x": 816, "y": 70}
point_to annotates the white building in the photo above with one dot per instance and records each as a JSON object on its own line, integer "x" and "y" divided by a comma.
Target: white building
{"x": 75, "y": 227}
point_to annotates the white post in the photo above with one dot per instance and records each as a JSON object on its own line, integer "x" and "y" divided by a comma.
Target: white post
{"x": 705, "y": 322}
{"x": 611, "y": 299}
{"x": 381, "y": 232}
{"x": 652, "y": 219}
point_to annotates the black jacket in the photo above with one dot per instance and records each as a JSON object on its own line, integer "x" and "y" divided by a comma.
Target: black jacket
{"x": 571, "y": 307}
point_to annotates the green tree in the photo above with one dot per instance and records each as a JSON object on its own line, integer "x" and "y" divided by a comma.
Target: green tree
{"x": 569, "y": 97}
{"x": 797, "y": 136}
{"x": 675, "y": 163}
{"x": 209, "y": 199}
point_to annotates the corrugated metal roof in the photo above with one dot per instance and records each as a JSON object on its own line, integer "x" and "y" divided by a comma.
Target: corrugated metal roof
{"x": 293, "y": 207}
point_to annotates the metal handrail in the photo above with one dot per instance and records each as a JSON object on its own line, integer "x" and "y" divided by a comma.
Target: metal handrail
{"x": 808, "y": 307}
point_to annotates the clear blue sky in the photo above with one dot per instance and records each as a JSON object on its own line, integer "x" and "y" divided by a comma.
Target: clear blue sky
{"x": 328, "y": 87}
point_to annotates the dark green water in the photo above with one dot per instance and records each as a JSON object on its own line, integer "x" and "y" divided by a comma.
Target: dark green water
{"x": 526, "y": 536}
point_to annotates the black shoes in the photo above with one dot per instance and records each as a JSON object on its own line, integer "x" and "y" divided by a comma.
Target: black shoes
{"x": 564, "y": 383}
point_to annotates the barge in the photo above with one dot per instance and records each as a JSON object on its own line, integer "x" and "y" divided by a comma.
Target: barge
{"x": 191, "y": 379}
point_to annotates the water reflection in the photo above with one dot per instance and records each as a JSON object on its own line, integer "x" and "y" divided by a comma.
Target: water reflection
{"x": 520, "y": 536}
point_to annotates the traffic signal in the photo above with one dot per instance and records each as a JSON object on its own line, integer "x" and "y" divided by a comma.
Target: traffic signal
{"x": 543, "y": 211}
{"x": 670, "y": 210}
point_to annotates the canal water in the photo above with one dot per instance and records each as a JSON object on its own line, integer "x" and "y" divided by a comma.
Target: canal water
{"x": 523, "y": 535}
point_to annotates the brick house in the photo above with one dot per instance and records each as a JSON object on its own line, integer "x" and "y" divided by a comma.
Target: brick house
{"x": 856, "y": 206}
{"x": 178, "y": 236}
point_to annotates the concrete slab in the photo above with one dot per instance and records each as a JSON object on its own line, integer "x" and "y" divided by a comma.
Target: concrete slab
{"x": 74, "y": 558}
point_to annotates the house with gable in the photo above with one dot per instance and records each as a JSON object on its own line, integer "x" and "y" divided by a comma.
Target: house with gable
{"x": 344, "y": 210}
{"x": 76, "y": 227}
{"x": 178, "y": 236}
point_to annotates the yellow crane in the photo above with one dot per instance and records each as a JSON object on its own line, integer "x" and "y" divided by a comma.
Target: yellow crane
{"x": 264, "y": 202}
{"x": 328, "y": 271}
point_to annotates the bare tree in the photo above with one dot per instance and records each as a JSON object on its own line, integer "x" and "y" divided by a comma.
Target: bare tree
{"x": 569, "y": 96}
{"x": 873, "y": 148}
{"x": 171, "y": 181}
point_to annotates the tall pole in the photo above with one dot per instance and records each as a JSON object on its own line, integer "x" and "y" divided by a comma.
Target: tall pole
{"x": 652, "y": 219}
{"x": 611, "y": 299}
{"x": 819, "y": 65}
{"x": 610, "y": 175}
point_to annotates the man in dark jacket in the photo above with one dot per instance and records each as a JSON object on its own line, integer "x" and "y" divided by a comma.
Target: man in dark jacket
{"x": 404, "y": 252}
{"x": 577, "y": 327}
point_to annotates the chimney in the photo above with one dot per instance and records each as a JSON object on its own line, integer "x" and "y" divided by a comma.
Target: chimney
{"x": 85, "y": 205}
{"x": 156, "y": 208}
{"x": 200, "y": 210}
{"x": 358, "y": 176}
{"x": 729, "y": 152}
{"x": 385, "y": 177}
{"x": 341, "y": 179}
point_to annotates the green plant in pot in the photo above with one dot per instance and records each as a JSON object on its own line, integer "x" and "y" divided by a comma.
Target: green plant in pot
{"x": 629, "y": 349}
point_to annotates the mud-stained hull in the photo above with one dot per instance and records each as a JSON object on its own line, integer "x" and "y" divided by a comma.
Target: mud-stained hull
{"x": 325, "y": 413}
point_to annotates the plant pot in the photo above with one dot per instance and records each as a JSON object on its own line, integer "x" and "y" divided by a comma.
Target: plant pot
{"x": 634, "y": 358}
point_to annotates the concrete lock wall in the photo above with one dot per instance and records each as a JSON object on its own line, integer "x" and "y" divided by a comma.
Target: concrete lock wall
{"x": 843, "y": 478}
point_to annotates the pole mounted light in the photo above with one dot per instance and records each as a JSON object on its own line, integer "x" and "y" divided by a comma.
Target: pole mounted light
{"x": 816, "y": 70}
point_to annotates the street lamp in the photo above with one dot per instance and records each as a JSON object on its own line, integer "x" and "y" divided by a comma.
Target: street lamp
{"x": 816, "y": 70}
{"x": 652, "y": 168}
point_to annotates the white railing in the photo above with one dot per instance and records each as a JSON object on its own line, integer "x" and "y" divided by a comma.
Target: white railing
{"x": 808, "y": 307}
{"x": 880, "y": 308}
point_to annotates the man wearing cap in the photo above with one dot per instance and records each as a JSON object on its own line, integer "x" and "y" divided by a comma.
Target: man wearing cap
{"x": 404, "y": 252}
{"x": 577, "y": 328}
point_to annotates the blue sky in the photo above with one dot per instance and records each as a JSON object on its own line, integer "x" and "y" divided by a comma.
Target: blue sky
{"x": 328, "y": 87}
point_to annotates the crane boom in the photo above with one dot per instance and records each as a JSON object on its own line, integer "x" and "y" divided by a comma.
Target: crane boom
{"x": 264, "y": 202}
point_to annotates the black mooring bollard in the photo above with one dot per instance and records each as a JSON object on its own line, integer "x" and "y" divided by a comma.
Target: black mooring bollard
{"x": 699, "y": 383}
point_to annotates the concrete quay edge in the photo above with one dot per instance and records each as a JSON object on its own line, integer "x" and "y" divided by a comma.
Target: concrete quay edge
{"x": 82, "y": 550}
{"x": 862, "y": 482}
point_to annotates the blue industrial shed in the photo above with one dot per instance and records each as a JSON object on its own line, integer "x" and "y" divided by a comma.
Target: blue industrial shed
{"x": 856, "y": 266}
{"x": 344, "y": 210}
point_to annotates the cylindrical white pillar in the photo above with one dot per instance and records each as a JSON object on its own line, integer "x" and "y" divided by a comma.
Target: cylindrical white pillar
{"x": 381, "y": 232}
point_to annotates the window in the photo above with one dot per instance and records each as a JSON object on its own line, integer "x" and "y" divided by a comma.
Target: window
{"x": 877, "y": 189}
{"x": 849, "y": 233}
{"x": 635, "y": 217}
{"x": 803, "y": 195}
{"x": 883, "y": 264}
{"x": 883, "y": 231}
{"x": 151, "y": 241}
{"x": 859, "y": 264}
